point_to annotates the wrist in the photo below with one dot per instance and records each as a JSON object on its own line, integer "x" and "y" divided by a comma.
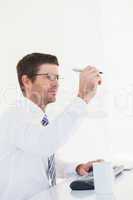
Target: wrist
{"x": 84, "y": 98}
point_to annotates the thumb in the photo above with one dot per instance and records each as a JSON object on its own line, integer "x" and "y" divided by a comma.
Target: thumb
{"x": 83, "y": 172}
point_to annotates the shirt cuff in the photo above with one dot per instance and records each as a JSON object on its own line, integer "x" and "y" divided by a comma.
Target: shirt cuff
{"x": 70, "y": 169}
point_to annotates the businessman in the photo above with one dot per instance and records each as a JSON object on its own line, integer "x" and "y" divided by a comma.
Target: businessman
{"x": 28, "y": 141}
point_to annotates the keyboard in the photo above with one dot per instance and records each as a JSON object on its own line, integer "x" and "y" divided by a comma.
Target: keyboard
{"x": 87, "y": 182}
{"x": 118, "y": 170}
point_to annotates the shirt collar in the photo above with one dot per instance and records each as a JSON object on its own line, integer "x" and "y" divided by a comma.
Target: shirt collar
{"x": 30, "y": 107}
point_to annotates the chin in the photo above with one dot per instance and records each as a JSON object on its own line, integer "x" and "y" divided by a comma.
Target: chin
{"x": 52, "y": 100}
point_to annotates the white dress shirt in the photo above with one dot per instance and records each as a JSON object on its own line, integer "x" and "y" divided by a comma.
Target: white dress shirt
{"x": 25, "y": 146}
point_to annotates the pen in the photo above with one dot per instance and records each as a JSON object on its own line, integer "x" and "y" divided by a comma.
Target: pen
{"x": 80, "y": 70}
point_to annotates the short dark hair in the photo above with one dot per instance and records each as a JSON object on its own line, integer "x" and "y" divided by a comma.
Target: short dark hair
{"x": 29, "y": 65}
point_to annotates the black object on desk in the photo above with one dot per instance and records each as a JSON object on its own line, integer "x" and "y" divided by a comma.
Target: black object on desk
{"x": 82, "y": 185}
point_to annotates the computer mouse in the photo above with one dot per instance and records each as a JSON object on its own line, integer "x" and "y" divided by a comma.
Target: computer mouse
{"x": 82, "y": 185}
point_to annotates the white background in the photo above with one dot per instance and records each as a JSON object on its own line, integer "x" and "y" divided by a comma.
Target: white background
{"x": 78, "y": 32}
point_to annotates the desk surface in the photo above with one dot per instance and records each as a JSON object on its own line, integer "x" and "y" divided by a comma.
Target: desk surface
{"x": 123, "y": 190}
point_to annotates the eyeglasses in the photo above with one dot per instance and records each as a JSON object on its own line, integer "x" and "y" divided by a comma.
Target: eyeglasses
{"x": 51, "y": 77}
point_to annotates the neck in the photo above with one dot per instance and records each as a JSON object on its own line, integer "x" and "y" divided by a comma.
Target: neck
{"x": 43, "y": 107}
{"x": 38, "y": 103}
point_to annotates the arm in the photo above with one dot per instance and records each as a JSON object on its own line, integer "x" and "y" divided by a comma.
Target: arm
{"x": 44, "y": 141}
{"x": 65, "y": 169}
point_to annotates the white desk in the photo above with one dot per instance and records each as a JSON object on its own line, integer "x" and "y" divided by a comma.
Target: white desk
{"x": 123, "y": 191}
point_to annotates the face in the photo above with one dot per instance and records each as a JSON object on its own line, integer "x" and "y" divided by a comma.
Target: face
{"x": 43, "y": 90}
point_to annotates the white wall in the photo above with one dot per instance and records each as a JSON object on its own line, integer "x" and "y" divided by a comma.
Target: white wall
{"x": 83, "y": 46}
{"x": 117, "y": 31}
{"x": 79, "y": 32}
{"x": 27, "y": 26}
{"x": 103, "y": 36}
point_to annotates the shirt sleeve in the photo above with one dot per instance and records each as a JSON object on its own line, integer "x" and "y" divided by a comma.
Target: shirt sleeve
{"x": 36, "y": 139}
{"x": 64, "y": 169}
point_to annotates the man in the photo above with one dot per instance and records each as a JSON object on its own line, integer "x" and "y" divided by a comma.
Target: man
{"x": 27, "y": 147}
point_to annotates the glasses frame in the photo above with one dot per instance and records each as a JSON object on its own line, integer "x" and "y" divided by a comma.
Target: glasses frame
{"x": 56, "y": 76}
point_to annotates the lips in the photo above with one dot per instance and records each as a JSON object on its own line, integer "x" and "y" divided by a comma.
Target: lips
{"x": 53, "y": 92}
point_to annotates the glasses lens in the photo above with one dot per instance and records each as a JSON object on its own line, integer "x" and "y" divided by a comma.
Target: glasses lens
{"x": 53, "y": 77}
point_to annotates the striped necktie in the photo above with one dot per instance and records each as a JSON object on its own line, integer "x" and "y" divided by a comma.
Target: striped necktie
{"x": 51, "y": 172}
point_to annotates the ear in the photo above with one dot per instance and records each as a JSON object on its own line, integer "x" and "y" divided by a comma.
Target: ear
{"x": 27, "y": 83}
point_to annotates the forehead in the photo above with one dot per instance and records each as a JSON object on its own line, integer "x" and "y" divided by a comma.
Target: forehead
{"x": 49, "y": 68}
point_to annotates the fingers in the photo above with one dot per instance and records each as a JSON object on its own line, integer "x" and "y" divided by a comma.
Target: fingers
{"x": 83, "y": 172}
{"x": 88, "y": 166}
{"x": 99, "y": 80}
{"x": 84, "y": 169}
{"x": 90, "y": 163}
{"x": 89, "y": 80}
{"x": 94, "y": 73}
{"x": 91, "y": 69}
{"x": 99, "y": 160}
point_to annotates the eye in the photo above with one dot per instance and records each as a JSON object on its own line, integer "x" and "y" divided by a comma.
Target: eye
{"x": 49, "y": 76}
{"x": 53, "y": 77}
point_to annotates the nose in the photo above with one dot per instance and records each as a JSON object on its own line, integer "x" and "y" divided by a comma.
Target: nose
{"x": 55, "y": 83}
